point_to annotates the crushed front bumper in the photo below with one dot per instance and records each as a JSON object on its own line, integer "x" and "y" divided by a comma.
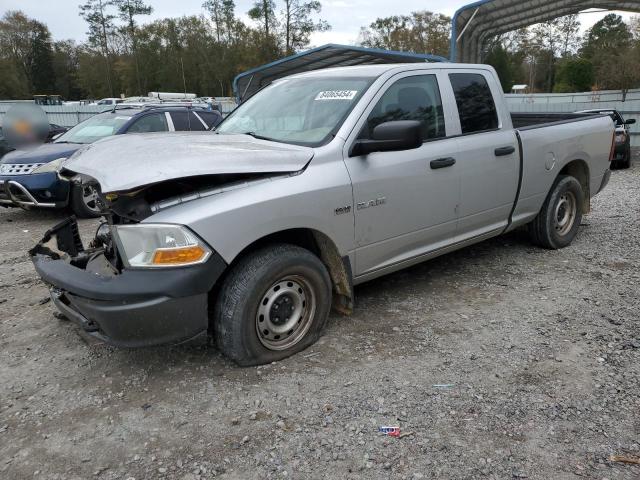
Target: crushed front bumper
{"x": 131, "y": 308}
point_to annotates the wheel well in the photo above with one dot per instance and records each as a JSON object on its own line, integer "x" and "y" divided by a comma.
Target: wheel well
{"x": 323, "y": 247}
{"x": 579, "y": 170}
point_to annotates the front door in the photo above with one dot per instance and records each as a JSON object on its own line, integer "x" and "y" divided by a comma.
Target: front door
{"x": 405, "y": 202}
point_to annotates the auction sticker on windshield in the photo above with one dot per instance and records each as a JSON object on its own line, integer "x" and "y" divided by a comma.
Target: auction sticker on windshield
{"x": 337, "y": 95}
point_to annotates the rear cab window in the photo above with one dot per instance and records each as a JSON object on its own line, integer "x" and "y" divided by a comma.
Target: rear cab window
{"x": 476, "y": 106}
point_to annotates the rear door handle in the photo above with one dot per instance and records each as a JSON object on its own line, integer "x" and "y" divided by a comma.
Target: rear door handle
{"x": 502, "y": 151}
{"x": 442, "y": 163}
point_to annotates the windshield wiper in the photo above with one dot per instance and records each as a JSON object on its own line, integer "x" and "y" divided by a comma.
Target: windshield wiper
{"x": 259, "y": 137}
{"x": 75, "y": 143}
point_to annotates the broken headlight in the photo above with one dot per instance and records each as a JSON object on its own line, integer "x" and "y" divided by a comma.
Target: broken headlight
{"x": 153, "y": 245}
{"x": 52, "y": 166}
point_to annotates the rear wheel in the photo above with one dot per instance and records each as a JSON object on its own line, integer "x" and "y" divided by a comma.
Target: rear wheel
{"x": 274, "y": 303}
{"x": 84, "y": 201}
{"x": 559, "y": 219}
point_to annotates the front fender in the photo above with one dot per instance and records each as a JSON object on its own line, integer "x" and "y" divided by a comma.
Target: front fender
{"x": 233, "y": 220}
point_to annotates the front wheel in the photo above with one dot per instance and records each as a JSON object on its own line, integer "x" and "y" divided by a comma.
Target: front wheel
{"x": 274, "y": 303}
{"x": 84, "y": 201}
{"x": 559, "y": 219}
{"x": 626, "y": 160}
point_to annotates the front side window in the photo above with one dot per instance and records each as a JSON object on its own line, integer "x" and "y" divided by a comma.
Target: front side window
{"x": 95, "y": 128}
{"x": 155, "y": 122}
{"x": 476, "y": 107}
{"x": 303, "y": 111}
{"x": 411, "y": 98}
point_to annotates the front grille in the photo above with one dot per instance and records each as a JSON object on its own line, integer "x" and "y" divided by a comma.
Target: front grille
{"x": 18, "y": 168}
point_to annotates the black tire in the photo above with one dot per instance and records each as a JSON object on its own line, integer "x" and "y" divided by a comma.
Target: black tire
{"x": 626, "y": 160}
{"x": 250, "y": 288}
{"x": 78, "y": 205}
{"x": 552, "y": 228}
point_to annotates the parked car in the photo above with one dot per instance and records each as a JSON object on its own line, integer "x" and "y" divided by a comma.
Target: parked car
{"x": 321, "y": 181}
{"x": 109, "y": 101}
{"x": 623, "y": 136}
{"x": 4, "y": 146}
{"x": 54, "y": 131}
{"x": 28, "y": 178}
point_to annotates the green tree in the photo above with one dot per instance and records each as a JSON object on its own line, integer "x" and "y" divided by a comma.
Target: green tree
{"x": 607, "y": 35}
{"x": 65, "y": 66}
{"x": 41, "y": 68}
{"x": 299, "y": 24}
{"x": 101, "y": 28}
{"x": 263, "y": 11}
{"x": 215, "y": 9}
{"x": 498, "y": 58}
{"x": 574, "y": 75}
{"x": 421, "y": 32}
{"x": 127, "y": 11}
{"x": 25, "y": 47}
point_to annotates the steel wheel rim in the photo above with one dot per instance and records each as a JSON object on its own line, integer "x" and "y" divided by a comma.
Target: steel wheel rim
{"x": 285, "y": 313}
{"x": 90, "y": 197}
{"x": 565, "y": 213}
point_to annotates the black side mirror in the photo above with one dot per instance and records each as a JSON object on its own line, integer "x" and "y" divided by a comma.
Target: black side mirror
{"x": 390, "y": 137}
{"x": 630, "y": 121}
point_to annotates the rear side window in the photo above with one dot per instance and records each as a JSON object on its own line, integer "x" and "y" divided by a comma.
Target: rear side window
{"x": 180, "y": 121}
{"x": 410, "y": 98}
{"x": 212, "y": 119}
{"x": 155, "y": 122}
{"x": 476, "y": 107}
{"x": 197, "y": 125}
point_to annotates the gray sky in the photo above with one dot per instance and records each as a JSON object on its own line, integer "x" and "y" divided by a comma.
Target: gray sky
{"x": 345, "y": 16}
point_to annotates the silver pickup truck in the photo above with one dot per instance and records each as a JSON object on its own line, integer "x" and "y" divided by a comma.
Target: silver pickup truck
{"x": 319, "y": 182}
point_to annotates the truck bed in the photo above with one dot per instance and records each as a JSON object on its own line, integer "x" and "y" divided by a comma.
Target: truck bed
{"x": 523, "y": 121}
{"x": 549, "y": 141}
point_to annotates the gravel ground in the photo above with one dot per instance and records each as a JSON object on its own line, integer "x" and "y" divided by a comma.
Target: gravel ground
{"x": 536, "y": 353}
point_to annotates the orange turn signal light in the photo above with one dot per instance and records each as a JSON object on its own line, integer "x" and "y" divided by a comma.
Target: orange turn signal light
{"x": 179, "y": 256}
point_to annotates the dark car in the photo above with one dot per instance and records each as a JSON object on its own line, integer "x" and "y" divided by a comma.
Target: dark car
{"x": 622, "y": 157}
{"x": 54, "y": 131}
{"x": 29, "y": 178}
{"x": 4, "y": 146}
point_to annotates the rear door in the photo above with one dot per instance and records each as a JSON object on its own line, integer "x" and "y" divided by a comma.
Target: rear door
{"x": 404, "y": 207}
{"x": 487, "y": 154}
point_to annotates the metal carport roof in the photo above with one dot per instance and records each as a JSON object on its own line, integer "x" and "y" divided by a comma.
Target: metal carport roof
{"x": 477, "y": 22}
{"x": 330, "y": 55}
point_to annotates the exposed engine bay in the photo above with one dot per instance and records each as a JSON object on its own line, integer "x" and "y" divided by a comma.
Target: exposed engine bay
{"x": 128, "y": 207}
{"x": 133, "y": 206}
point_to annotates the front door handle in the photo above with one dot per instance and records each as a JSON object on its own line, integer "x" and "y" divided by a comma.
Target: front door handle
{"x": 442, "y": 163}
{"x": 502, "y": 151}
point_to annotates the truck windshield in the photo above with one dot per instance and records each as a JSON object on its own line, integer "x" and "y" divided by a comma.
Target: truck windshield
{"x": 302, "y": 111}
{"x": 95, "y": 128}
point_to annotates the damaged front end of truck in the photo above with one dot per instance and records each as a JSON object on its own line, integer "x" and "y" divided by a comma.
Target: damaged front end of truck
{"x": 111, "y": 287}
{"x": 118, "y": 301}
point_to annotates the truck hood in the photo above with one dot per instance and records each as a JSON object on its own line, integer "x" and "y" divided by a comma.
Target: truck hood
{"x": 42, "y": 153}
{"x": 126, "y": 162}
